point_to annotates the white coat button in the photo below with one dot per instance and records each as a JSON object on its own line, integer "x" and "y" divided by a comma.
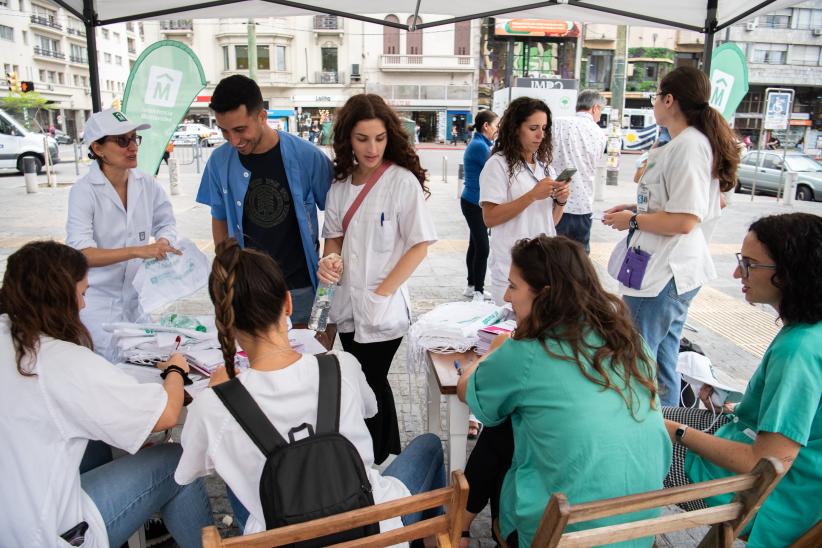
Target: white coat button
{"x": 225, "y": 191}
{"x": 239, "y": 203}
{"x": 245, "y": 174}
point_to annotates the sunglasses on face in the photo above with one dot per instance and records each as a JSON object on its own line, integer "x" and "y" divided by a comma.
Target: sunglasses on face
{"x": 124, "y": 141}
{"x": 745, "y": 265}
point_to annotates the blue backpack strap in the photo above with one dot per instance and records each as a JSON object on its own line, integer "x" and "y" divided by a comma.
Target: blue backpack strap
{"x": 248, "y": 414}
{"x": 328, "y": 399}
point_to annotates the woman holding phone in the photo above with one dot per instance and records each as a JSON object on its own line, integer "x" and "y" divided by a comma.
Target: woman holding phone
{"x": 519, "y": 194}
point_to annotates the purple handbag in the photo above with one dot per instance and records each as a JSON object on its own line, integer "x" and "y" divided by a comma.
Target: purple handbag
{"x": 633, "y": 268}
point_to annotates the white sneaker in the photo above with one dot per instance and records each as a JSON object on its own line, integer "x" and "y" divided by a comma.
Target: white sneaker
{"x": 469, "y": 291}
{"x": 484, "y": 296}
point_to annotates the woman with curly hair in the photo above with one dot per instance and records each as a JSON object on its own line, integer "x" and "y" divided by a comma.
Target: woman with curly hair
{"x": 665, "y": 259}
{"x": 780, "y": 414}
{"x": 570, "y": 396}
{"x": 518, "y": 194}
{"x": 377, "y": 231}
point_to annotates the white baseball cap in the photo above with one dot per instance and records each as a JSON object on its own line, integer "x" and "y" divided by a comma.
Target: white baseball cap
{"x": 109, "y": 122}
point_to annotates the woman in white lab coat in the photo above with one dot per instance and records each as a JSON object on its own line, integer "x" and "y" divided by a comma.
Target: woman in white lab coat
{"x": 114, "y": 211}
{"x": 386, "y": 240}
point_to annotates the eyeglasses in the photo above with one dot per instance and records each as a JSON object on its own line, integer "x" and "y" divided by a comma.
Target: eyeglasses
{"x": 745, "y": 265}
{"x": 655, "y": 97}
{"x": 123, "y": 141}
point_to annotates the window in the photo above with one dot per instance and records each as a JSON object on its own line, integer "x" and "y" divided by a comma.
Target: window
{"x": 84, "y": 81}
{"x": 807, "y": 19}
{"x": 329, "y": 59}
{"x": 772, "y": 161}
{"x": 804, "y": 55}
{"x": 770, "y": 54}
{"x": 650, "y": 71}
{"x": 105, "y": 33}
{"x": 4, "y": 3}
{"x": 42, "y": 75}
{"x": 116, "y": 35}
{"x": 61, "y": 78}
{"x": 78, "y": 54}
{"x": 391, "y": 37}
{"x": 462, "y": 38}
{"x": 50, "y": 75}
{"x": 774, "y": 21}
{"x": 413, "y": 40}
{"x": 46, "y": 44}
{"x": 130, "y": 44}
{"x": 280, "y": 58}
{"x": 118, "y": 60}
{"x": 263, "y": 59}
{"x": 225, "y": 58}
{"x": 6, "y": 33}
{"x": 76, "y": 80}
{"x": 107, "y": 58}
{"x": 25, "y": 38}
{"x": 241, "y": 54}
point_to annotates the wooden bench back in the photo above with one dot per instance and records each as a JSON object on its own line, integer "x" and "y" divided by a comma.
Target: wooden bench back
{"x": 447, "y": 528}
{"x": 726, "y": 520}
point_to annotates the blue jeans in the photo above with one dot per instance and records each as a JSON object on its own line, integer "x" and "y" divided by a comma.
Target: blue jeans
{"x": 576, "y": 227}
{"x": 128, "y": 490}
{"x": 660, "y": 320}
{"x": 302, "y": 300}
{"x": 419, "y": 467}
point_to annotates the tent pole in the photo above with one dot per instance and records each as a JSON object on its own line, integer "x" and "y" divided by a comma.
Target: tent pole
{"x": 89, "y": 18}
{"x": 710, "y": 31}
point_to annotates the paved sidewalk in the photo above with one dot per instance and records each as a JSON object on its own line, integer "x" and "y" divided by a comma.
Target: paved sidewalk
{"x": 733, "y": 333}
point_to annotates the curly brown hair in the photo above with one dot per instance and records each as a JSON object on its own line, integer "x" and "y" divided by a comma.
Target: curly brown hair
{"x": 570, "y": 304}
{"x": 508, "y": 142}
{"x": 39, "y": 294}
{"x": 248, "y": 291}
{"x": 398, "y": 149}
{"x": 692, "y": 89}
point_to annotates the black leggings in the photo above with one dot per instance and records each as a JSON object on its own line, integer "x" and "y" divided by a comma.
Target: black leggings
{"x": 477, "y": 258}
{"x": 487, "y": 466}
{"x": 375, "y": 359}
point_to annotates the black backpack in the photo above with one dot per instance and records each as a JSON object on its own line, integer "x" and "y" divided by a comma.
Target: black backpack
{"x": 317, "y": 476}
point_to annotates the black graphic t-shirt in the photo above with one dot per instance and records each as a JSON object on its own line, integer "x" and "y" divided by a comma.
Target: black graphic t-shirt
{"x": 269, "y": 219}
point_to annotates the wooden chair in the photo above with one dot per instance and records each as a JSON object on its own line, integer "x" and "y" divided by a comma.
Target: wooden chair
{"x": 446, "y": 528}
{"x": 726, "y": 520}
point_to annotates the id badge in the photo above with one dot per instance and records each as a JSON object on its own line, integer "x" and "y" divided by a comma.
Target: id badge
{"x": 642, "y": 197}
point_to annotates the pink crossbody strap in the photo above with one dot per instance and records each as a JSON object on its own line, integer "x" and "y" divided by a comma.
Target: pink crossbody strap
{"x": 359, "y": 199}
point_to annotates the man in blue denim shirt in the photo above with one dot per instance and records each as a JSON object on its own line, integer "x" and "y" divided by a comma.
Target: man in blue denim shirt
{"x": 264, "y": 188}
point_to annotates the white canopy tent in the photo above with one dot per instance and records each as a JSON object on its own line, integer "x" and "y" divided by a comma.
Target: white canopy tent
{"x": 705, "y": 16}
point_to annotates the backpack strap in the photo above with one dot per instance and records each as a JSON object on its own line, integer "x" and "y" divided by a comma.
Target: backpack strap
{"x": 328, "y": 400}
{"x": 245, "y": 410}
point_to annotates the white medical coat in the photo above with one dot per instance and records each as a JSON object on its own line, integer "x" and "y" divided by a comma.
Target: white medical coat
{"x": 97, "y": 218}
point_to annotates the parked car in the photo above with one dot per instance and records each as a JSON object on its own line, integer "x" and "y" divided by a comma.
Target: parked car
{"x": 769, "y": 173}
{"x": 62, "y": 138}
{"x": 188, "y": 134}
{"x": 17, "y": 142}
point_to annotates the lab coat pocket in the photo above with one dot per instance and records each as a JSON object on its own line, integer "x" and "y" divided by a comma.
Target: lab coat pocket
{"x": 384, "y": 232}
{"x": 378, "y": 317}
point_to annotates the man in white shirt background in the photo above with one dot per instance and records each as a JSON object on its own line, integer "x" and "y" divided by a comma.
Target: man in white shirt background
{"x": 579, "y": 142}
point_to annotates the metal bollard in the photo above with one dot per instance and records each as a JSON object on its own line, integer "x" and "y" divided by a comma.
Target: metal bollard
{"x": 599, "y": 181}
{"x": 790, "y": 188}
{"x": 196, "y": 149}
{"x": 445, "y": 169}
{"x": 460, "y": 179}
{"x": 30, "y": 174}
{"x": 76, "y": 146}
{"x": 173, "y": 177}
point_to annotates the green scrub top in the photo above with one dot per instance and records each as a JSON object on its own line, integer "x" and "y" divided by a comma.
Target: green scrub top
{"x": 571, "y": 436}
{"x": 785, "y": 397}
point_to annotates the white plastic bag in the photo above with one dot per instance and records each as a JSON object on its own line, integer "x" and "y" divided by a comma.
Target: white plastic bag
{"x": 159, "y": 283}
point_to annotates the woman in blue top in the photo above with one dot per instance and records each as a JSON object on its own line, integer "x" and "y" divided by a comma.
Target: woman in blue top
{"x": 476, "y": 154}
{"x": 780, "y": 414}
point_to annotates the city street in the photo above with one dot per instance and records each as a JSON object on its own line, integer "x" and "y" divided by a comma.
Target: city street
{"x": 733, "y": 333}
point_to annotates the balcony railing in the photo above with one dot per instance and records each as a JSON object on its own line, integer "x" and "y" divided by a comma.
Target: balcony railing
{"x": 327, "y": 77}
{"x": 132, "y": 50}
{"x": 76, "y": 32}
{"x": 49, "y": 53}
{"x": 433, "y": 63}
{"x": 326, "y": 22}
{"x": 78, "y": 59}
{"x": 177, "y": 24}
{"x": 45, "y": 21}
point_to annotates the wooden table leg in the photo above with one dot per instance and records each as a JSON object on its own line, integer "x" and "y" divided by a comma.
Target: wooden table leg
{"x": 434, "y": 417}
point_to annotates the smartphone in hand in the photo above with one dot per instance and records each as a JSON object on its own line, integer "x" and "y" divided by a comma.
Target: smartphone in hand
{"x": 566, "y": 174}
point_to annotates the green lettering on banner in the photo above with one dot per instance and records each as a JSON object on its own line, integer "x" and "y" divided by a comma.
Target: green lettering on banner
{"x": 163, "y": 83}
{"x": 729, "y": 79}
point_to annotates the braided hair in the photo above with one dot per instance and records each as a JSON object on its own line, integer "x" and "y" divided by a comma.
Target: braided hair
{"x": 248, "y": 291}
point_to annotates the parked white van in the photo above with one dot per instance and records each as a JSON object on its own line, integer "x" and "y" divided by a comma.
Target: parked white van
{"x": 17, "y": 142}
{"x": 639, "y": 129}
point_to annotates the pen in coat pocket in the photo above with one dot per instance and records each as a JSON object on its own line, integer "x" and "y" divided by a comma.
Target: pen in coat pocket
{"x": 382, "y": 218}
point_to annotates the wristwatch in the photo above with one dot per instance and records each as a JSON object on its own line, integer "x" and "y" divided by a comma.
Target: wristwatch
{"x": 632, "y": 224}
{"x": 680, "y": 432}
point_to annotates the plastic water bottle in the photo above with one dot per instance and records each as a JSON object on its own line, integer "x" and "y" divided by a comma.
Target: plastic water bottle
{"x": 318, "y": 321}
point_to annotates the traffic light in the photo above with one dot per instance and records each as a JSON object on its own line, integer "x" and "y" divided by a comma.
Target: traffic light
{"x": 26, "y": 86}
{"x": 115, "y": 104}
{"x": 14, "y": 86}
